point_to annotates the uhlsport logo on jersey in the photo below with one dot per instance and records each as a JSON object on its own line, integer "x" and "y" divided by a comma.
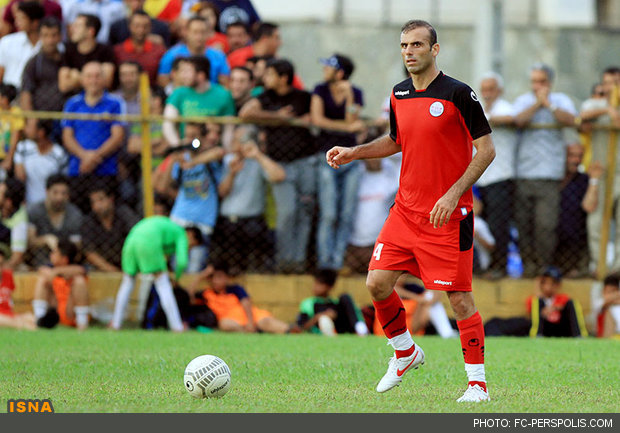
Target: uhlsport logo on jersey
{"x": 401, "y": 93}
{"x": 436, "y": 109}
{"x": 474, "y": 96}
{"x": 29, "y": 406}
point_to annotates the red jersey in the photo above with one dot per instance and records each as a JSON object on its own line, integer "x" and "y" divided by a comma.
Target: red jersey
{"x": 435, "y": 128}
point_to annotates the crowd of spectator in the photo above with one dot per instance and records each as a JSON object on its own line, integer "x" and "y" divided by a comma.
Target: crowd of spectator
{"x": 259, "y": 197}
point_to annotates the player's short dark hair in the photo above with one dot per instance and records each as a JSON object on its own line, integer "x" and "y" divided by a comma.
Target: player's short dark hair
{"x": 264, "y": 29}
{"x": 200, "y": 6}
{"x": 15, "y": 191}
{"x": 139, "y": 13}
{"x": 92, "y": 22}
{"x": 8, "y": 91}
{"x": 244, "y": 69}
{"x": 176, "y": 62}
{"x": 201, "y": 64}
{"x": 283, "y": 67}
{"x": 47, "y": 125}
{"x": 611, "y": 70}
{"x": 50, "y": 22}
{"x": 414, "y": 24}
{"x": 612, "y": 280}
{"x": 326, "y": 276}
{"x": 68, "y": 249}
{"x": 32, "y": 9}
{"x": 548, "y": 70}
{"x": 195, "y": 231}
{"x": 56, "y": 179}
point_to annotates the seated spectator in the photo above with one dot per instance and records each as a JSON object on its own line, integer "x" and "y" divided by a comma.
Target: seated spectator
{"x": 139, "y": 48}
{"x": 608, "y": 317}
{"x": 579, "y": 196}
{"x": 328, "y": 315}
{"x": 82, "y": 49}
{"x": 241, "y": 85}
{"x": 202, "y": 98}
{"x": 8, "y": 318}
{"x": 40, "y": 79}
{"x": 37, "y": 158}
{"x": 145, "y": 251}
{"x": 17, "y": 48}
{"x": 198, "y": 251}
{"x": 51, "y": 9}
{"x": 158, "y": 30}
{"x": 52, "y": 220}
{"x": 378, "y": 186}
{"x": 554, "y": 314}
{"x": 11, "y": 126}
{"x": 64, "y": 283}
{"x": 237, "y": 36}
{"x": 108, "y": 12}
{"x": 105, "y": 229}
{"x": 13, "y": 221}
{"x": 241, "y": 234}
{"x": 195, "y": 45}
{"x": 197, "y": 174}
{"x": 232, "y": 305}
{"x": 92, "y": 144}
{"x": 211, "y": 15}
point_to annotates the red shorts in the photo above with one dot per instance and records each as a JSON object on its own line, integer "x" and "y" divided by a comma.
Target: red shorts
{"x": 441, "y": 257}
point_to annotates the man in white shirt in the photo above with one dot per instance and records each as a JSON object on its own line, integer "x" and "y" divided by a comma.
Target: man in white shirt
{"x": 17, "y": 48}
{"x": 541, "y": 158}
{"x": 496, "y": 185}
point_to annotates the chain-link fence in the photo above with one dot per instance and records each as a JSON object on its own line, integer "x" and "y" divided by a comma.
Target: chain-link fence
{"x": 259, "y": 195}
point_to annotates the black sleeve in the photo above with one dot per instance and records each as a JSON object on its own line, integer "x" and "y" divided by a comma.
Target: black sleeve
{"x": 467, "y": 102}
{"x": 393, "y": 127}
{"x": 28, "y": 77}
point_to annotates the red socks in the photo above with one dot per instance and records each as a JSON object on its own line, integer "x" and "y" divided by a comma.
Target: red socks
{"x": 390, "y": 312}
{"x": 472, "y": 339}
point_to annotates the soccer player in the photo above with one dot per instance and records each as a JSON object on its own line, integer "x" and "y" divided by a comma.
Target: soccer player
{"x": 434, "y": 119}
{"x": 145, "y": 250}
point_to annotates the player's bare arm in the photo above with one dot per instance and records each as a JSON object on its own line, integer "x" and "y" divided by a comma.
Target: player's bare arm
{"x": 378, "y": 148}
{"x": 485, "y": 153}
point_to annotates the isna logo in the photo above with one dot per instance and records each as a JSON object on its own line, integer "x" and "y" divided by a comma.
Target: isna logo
{"x": 29, "y": 406}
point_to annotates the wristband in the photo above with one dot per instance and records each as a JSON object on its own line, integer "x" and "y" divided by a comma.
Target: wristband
{"x": 593, "y": 181}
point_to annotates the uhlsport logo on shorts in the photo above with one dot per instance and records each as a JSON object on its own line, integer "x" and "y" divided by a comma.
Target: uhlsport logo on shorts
{"x": 443, "y": 283}
{"x": 29, "y": 406}
{"x": 436, "y": 109}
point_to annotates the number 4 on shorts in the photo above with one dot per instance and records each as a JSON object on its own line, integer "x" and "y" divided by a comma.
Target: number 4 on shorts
{"x": 377, "y": 253}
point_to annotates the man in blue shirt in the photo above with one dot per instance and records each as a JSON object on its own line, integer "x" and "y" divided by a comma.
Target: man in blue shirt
{"x": 92, "y": 145}
{"x": 195, "y": 45}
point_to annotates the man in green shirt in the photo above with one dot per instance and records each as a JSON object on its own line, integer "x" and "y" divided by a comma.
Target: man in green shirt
{"x": 202, "y": 98}
{"x": 145, "y": 251}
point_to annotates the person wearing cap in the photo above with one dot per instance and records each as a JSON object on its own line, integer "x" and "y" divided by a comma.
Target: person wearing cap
{"x": 554, "y": 314}
{"x": 541, "y": 158}
{"x": 335, "y": 108}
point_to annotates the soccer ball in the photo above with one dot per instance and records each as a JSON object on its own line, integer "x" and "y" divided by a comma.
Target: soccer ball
{"x": 207, "y": 376}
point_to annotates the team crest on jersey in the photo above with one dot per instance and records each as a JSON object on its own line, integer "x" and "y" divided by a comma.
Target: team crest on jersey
{"x": 474, "y": 96}
{"x": 436, "y": 109}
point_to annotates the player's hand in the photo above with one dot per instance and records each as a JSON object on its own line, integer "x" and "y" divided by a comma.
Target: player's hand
{"x": 443, "y": 209}
{"x": 337, "y": 156}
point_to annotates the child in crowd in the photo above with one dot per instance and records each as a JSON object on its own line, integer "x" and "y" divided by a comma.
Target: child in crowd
{"x": 8, "y": 318}
{"x": 60, "y": 292}
{"x": 232, "y": 305}
{"x": 328, "y": 315}
{"x": 608, "y": 318}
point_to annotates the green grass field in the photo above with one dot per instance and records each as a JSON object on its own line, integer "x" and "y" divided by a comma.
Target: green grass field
{"x": 139, "y": 371}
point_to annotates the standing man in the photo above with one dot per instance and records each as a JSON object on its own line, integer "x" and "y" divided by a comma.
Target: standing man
{"x": 541, "y": 158}
{"x": 496, "y": 185}
{"x": 434, "y": 119}
{"x": 335, "y": 106}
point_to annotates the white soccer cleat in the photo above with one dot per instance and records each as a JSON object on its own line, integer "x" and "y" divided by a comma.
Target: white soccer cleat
{"x": 474, "y": 394}
{"x": 327, "y": 326}
{"x": 398, "y": 367}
